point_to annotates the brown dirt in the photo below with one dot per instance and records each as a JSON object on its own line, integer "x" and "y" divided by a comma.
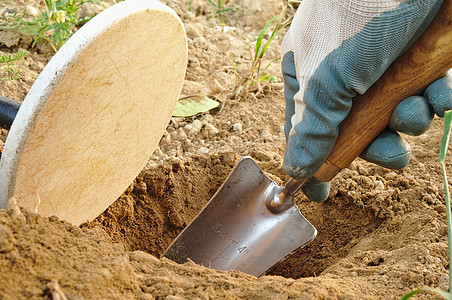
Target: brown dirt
{"x": 381, "y": 234}
{"x": 159, "y": 204}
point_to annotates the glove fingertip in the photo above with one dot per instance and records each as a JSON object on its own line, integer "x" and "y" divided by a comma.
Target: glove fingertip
{"x": 441, "y": 103}
{"x": 439, "y": 95}
{"x": 412, "y": 116}
{"x": 316, "y": 190}
{"x": 388, "y": 150}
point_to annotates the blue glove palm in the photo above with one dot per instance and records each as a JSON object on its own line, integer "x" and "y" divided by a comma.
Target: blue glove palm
{"x": 317, "y": 101}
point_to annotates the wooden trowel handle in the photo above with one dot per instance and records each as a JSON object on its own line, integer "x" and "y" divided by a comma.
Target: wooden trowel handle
{"x": 428, "y": 59}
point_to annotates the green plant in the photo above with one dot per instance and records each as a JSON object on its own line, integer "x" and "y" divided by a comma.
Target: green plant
{"x": 442, "y": 155}
{"x": 8, "y": 67}
{"x": 219, "y": 7}
{"x": 256, "y": 75}
{"x": 54, "y": 25}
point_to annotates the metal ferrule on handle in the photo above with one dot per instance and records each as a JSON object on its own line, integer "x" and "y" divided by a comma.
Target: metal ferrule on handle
{"x": 282, "y": 200}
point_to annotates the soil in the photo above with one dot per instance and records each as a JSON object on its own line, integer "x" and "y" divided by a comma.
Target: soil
{"x": 381, "y": 234}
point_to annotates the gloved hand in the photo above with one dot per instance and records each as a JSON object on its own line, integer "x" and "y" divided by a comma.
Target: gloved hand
{"x": 335, "y": 50}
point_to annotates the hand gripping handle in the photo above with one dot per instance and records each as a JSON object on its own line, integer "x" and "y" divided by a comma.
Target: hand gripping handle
{"x": 429, "y": 58}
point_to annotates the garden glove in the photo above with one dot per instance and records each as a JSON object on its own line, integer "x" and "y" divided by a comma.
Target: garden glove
{"x": 335, "y": 50}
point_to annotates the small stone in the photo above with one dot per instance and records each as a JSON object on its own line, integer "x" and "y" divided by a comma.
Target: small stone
{"x": 193, "y": 62}
{"x": 428, "y": 198}
{"x": 176, "y": 122}
{"x": 379, "y": 184}
{"x": 196, "y": 127}
{"x": 229, "y": 158}
{"x": 429, "y": 259}
{"x": 410, "y": 178}
{"x": 165, "y": 141}
{"x": 89, "y": 9}
{"x": 211, "y": 129}
{"x": 142, "y": 257}
{"x": 31, "y": 11}
{"x": 206, "y": 119}
{"x": 444, "y": 286}
{"x": 363, "y": 170}
{"x": 173, "y": 135}
{"x": 157, "y": 152}
{"x": 237, "y": 127}
{"x": 444, "y": 278}
{"x": 14, "y": 210}
{"x": 172, "y": 153}
{"x": 141, "y": 187}
{"x": 203, "y": 150}
{"x": 181, "y": 135}
{"x": 188, "y": 128}
{"x": 266, "y": 135}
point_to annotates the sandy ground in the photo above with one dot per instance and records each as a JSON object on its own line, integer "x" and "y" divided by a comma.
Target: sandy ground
{"x": 381, "y": 234}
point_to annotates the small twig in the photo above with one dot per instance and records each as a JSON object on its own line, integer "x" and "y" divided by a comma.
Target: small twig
{"x": 190, "y": 260}
{"x": 57, "y": 293}
{"x": 222, "y": 97}
{"x": 37, "y": 204}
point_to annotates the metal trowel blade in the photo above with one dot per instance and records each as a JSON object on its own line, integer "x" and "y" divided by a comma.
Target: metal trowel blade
{"x": 235, "y": 230}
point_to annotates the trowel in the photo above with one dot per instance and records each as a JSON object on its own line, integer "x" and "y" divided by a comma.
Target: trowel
{"x": 251, "y": 223}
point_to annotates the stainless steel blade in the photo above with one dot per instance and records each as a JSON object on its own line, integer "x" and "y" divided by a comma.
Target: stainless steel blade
{"x": 236, "y": 230}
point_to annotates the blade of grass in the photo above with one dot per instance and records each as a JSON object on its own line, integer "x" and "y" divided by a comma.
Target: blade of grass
{"x": 443, "y": 151}
{"x": 443, "y": 294}
{"x": 213, "y": 3}
{"x": 260, "y": 37}
{"x": 446, "y": 136}
{"x": 411, "y": 294}
{"x": 224, "y": 10}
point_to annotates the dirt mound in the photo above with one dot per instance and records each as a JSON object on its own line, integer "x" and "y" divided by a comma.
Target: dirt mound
{"x": 43, "y": 257}
{"x": 369, "y": 238}
{"x": 49, "y": 258}
{"x": 381, "y": 234}
{"x": 161, "y": 202}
